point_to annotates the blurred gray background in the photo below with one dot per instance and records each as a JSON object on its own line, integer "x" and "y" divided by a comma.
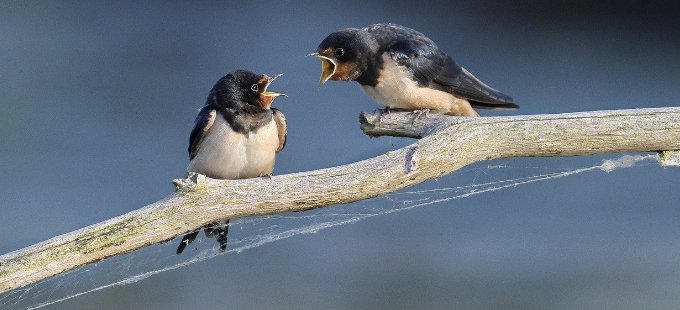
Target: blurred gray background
{"x": 97, "y": 101}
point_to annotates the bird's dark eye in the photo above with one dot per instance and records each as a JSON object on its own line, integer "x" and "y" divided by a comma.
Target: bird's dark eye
{"x": 339, "y": 52}
{"x": 255, "y": 87}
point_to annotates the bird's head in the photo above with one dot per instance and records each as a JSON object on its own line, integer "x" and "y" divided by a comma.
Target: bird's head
{"x": 343, "y": 55}
{"x": 251, "y": 88}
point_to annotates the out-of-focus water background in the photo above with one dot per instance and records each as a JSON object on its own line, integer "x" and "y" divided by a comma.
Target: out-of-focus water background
{"x": 97, "y": 101}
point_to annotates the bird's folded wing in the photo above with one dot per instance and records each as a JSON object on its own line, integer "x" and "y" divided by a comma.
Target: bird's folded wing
{"x": 202, "y": 124}
{"x": 280, "y": 120}
{"x": 432, "y": 68}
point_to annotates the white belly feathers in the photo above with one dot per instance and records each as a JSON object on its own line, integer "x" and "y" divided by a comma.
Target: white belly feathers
{"x": 226, "y": 154}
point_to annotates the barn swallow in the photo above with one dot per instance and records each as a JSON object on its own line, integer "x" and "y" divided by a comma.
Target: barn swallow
{"x": 403, "y": 69}
{"x": 236, "y": 135}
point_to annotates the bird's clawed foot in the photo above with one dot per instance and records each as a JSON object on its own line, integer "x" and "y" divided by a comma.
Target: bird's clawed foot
{"x": 382, "y": 112}
{"x": 418, "y": 114}
{"x": 268, "y": 175}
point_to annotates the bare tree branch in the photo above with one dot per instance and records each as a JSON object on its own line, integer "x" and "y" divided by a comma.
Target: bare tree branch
{"x": 449, "y": 143}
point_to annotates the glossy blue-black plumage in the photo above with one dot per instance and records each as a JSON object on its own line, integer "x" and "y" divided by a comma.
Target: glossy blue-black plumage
{"x": 423, "y": 60}
{"x": 431, "y": 67}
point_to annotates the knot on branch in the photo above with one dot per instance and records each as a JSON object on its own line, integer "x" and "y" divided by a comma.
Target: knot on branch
{"x": 411, "y": 161}
{"x": 192, "y": 178}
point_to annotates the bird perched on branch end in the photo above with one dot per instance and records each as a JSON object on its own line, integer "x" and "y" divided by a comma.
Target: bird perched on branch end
{"x": 236, "y": 135}
{"x": 401, "y": 68}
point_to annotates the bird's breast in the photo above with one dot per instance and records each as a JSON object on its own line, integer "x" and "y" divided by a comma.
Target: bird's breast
{"x": 226, "y": 154}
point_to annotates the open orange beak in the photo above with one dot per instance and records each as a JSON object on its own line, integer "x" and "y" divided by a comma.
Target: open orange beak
{"x": 327, "y": 68}
{"x": 271, "y": 93}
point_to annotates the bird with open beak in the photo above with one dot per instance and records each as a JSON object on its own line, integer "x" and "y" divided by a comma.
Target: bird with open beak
{"x": 236, "y": 135}
{"x": 401, "y": 68}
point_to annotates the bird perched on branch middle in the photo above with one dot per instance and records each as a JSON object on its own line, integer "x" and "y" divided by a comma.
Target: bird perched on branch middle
{"x": 236, "y": 135}
{"x": 403, "y": 69}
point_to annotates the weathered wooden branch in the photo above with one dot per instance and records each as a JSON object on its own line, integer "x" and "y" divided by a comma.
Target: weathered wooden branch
{"x": 448, "y": 144}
